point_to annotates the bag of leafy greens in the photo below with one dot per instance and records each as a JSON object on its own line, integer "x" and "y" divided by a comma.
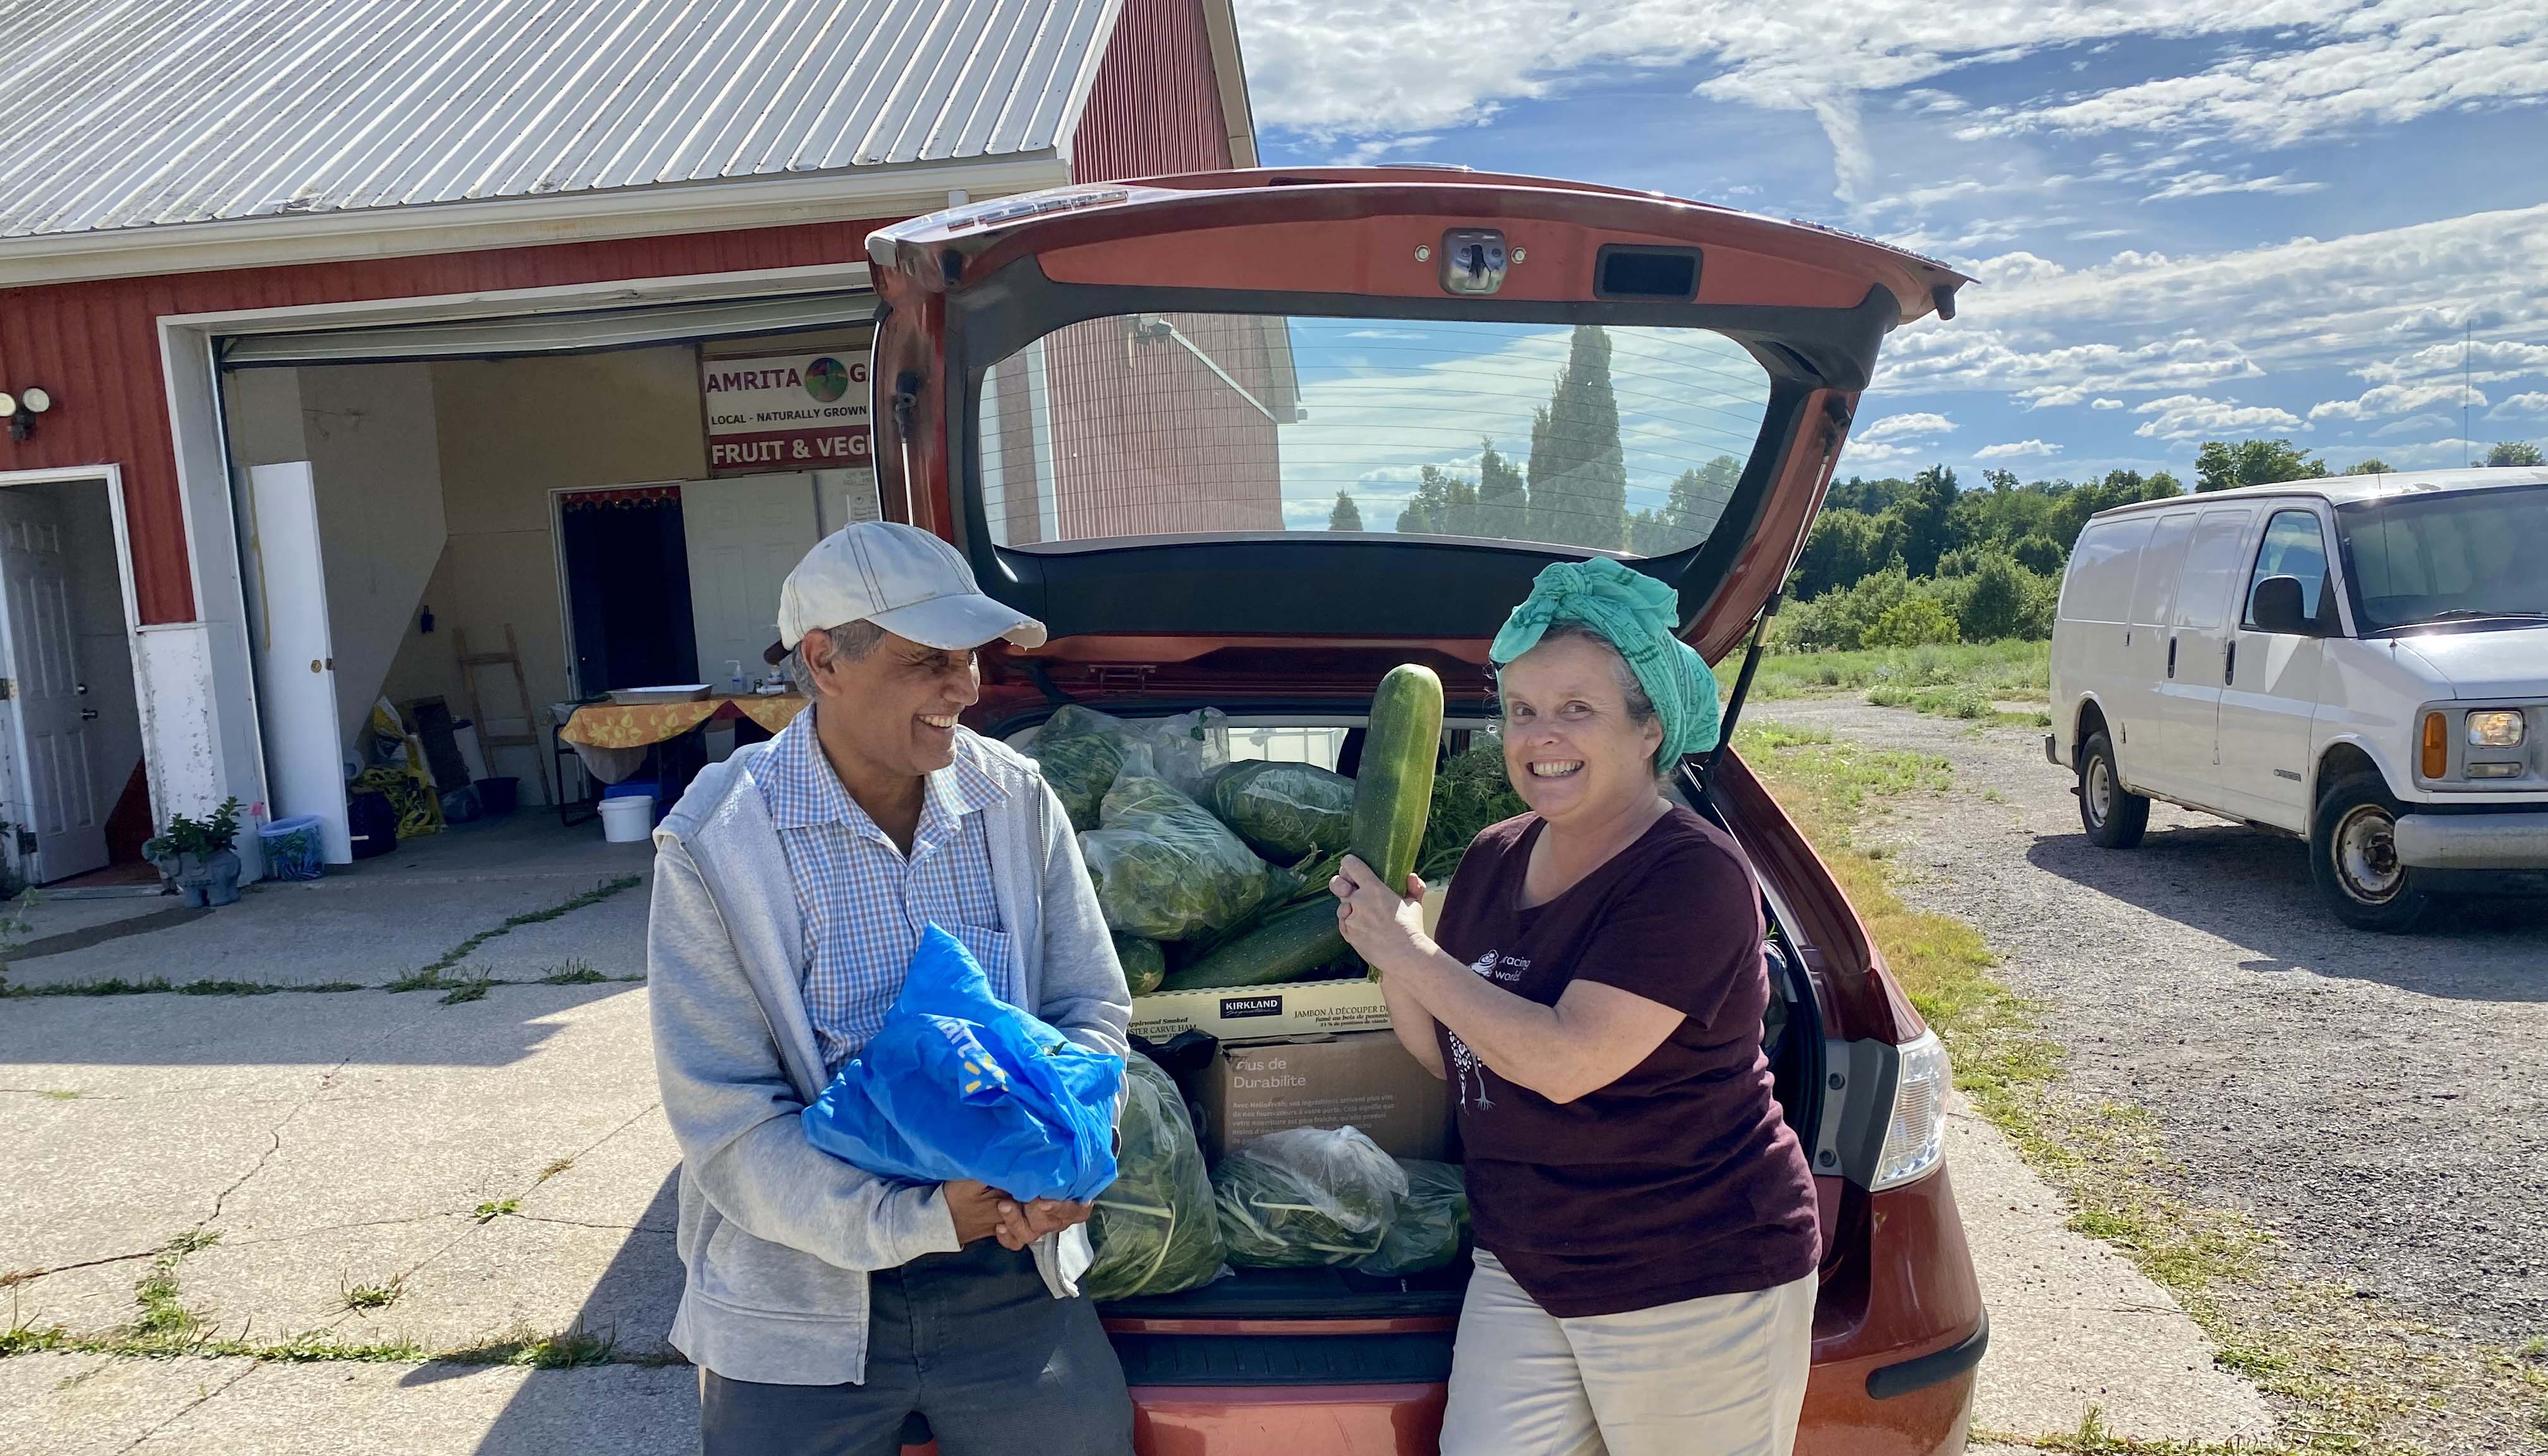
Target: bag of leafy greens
{"x": 1155, "y": 1230}
{"x": 1144, "y": 964}
{"x": 1305, "y": 1198}
{"x": 1165, "y": 868}
{"x": 1186, "y": 750}
{"x": 1081, "y": 752}
{"x": 1430, "y": 1224}
{"x": 1285, "y": 812}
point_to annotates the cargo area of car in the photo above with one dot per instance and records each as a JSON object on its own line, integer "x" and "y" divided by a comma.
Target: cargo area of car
{"x": 1256, "y": 1326}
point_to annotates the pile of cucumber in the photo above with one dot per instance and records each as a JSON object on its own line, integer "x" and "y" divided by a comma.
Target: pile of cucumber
{"x": 1392, "y": 792}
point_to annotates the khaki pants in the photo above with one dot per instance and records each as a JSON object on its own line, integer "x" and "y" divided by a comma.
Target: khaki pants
{"x": 1720, "y": 1376}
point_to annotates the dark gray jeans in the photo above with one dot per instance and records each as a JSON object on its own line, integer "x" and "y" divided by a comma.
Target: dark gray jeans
{"x": 971, "y": 1341}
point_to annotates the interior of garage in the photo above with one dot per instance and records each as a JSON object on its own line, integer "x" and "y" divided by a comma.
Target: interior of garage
{"x": 586, "y": 512}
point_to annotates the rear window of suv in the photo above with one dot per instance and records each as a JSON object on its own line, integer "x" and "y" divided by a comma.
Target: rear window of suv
{"x": 1627, "y": 440}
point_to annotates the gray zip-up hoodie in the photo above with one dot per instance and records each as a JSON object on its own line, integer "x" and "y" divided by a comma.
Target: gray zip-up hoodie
{"x": 776, "y": 1237}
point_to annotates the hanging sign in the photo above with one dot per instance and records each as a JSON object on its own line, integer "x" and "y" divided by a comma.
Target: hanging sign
{"x": 787, "y": 412}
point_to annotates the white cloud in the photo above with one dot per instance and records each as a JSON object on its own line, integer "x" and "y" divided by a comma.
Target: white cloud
{"x": 1903, "y": 427}
{"x": 2392, "y": 399}
{"x": 2016, "y": 450}
{"x": 2105, "y": 404}
{"x": 2533, "y": 402}
{"x": 2413, "y": 425}
{"x": 2194, "y": 417}
{"x": 2213, "y": 184}
{"x": 2484, "y": 360}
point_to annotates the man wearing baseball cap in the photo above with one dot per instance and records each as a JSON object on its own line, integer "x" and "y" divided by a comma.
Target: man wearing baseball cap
{"x": 826, "y": 1307}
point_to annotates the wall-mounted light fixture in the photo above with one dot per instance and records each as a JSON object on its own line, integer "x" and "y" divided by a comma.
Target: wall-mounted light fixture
{"x": 22, "y": 410}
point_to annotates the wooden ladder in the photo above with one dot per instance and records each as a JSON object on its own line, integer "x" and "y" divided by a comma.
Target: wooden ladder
{"x": 510, "y": 657}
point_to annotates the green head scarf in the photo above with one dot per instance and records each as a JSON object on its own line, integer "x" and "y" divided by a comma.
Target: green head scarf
{"x": 1638, "y": 615}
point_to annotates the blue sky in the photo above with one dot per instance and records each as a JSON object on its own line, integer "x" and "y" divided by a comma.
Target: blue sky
{"x": 2192, "y": 219}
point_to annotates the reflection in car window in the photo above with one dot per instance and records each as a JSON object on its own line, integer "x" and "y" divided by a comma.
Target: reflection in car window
{"x": 2436, "y": 557}
{"x": 1623, "y": 438}
{"x": 2293, "y": 547}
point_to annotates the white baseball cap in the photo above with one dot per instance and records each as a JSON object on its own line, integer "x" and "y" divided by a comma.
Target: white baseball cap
{"x": 902, "y": 578}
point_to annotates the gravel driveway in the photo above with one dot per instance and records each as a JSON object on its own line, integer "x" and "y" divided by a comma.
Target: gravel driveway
{"x": 2376, "y": 1101}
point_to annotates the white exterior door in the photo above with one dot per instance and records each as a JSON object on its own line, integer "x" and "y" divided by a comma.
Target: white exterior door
{"x": 296, "y": 667}
{"x": 2198, "y": 649}
{"x": 53, "y": 792}
{"x": 2269, "y": 695}
{"x": 744, "y": 535}
{"x": 2135, "y": 711}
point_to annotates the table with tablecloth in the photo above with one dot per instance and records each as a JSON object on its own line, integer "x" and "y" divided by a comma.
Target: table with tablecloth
{"x": 611, "y": 738}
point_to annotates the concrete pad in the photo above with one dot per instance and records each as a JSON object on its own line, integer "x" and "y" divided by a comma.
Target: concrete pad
{"x": 609, "y": 936}
{"x": 87, "y": 1299}
{"x": 53, "y": 915}
{"x": 2073, "y": 1325}
{"x": 95, "y": 1404}
{"x": 525, "y": 1274}
{"x": 343, "y": 1409}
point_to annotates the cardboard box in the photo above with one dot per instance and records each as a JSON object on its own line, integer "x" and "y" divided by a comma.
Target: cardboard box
{"x": 1290, "y": 1009}
{"x": 1363, "y": 1081}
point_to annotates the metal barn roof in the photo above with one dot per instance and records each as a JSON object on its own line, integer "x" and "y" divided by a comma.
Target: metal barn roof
{"x": 132, "y": 113}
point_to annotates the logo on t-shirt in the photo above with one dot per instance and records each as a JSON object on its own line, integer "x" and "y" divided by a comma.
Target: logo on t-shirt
{"x": 1496, "y": 967}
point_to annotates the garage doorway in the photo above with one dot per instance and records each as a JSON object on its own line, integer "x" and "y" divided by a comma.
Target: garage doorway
{"x": 73, "y": 790}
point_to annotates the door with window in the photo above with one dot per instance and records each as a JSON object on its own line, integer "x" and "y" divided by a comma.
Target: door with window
{"x": 2196, "y": 651}
{"x": 2270, "y": 689}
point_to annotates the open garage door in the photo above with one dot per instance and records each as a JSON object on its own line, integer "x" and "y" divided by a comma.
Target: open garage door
{"x": 566, "y": 331}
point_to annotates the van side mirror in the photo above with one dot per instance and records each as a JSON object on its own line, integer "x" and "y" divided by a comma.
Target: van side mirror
{"x": 2277, "y": 608}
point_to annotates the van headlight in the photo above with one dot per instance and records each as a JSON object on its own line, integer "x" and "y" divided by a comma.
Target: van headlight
{"x": 1914, "y": 1140}
{"x": 2496, "y": 728}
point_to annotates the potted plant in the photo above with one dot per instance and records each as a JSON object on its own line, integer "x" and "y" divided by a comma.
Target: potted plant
{"x": 196, "y": 855}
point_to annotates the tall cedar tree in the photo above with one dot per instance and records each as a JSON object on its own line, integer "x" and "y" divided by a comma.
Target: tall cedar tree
{"x": 1347, "y": 516}
{"x": 1444, "y": 505}
{"x": 1579, "y": 474}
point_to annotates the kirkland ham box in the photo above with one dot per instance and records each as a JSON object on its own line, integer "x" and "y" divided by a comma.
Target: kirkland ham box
{"x": 1363, "y": 1079}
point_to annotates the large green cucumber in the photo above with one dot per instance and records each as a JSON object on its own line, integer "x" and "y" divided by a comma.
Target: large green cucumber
{"x": 1394, "y": 786}
{"x": 1290, "y": 944}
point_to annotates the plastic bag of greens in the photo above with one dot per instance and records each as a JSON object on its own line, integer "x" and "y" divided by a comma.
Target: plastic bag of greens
{"x": 1165, "y": 867}
{"x": 1081, "y": 753}
{"x": 1144, "y": 964}
{"x": 1155, "y": 1230}
{"x": 1285, "y": 812}
{"x": 1430, "y": 1224}
{"x": 1186, "y": 750}
{"x": 1306, "y": 1197}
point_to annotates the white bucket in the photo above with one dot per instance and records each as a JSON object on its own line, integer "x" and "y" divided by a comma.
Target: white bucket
{"x": 628, "y": 819}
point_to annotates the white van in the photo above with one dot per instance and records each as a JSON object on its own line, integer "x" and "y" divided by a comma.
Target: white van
{"x": 2359, "y": 661}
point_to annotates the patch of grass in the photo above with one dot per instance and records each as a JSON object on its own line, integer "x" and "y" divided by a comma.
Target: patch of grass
{"x": 523, "y": 1345}
{"x": 495, "y": 1208}
{"x": 161, "y": 986}
{"x": 2003, "y": 669}
{"x": 552, "y": 1170}
{"x": 568, "y": 906}
{"x": 55, "y": 1094}
{"x": 362, "y": 1299}
{"x": 574, "y": 974}
{"x": 26, "y": 1339}
{"x": 164, "y": 1320}
{"x": 472, "y": 989}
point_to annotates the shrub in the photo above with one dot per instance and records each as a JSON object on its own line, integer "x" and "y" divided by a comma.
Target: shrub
{"x": 1914, "y": 621}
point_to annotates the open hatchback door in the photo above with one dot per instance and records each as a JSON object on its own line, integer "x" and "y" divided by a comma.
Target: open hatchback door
{"x": 1230, "y": 430}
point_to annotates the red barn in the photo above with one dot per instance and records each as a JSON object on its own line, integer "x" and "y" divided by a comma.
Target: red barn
{"x": 364, "y": 329}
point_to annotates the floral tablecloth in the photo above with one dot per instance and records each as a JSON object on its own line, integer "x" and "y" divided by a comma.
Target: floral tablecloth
{"x": 635, "y": 725}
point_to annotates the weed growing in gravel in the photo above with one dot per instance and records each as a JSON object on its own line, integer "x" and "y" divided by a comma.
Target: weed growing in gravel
{"x": 362, "y": 1299}
{"x": 552, "y": 1170}
{"x": 574, "y": 974}
{"x": 523, "y": 1345}
{"x": 495, "y": 1208}
{"x": 474, "y": 988}
{"x": 567, "y": 906}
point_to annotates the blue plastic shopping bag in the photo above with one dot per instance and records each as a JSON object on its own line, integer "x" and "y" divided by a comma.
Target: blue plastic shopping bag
{"x": 960, "y": 1084}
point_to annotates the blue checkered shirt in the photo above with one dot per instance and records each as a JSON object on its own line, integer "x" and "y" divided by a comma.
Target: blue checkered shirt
{"x": 863, "y": 903}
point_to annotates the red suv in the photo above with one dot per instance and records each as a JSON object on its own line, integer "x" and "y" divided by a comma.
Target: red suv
{"x": 1249, "y": 439}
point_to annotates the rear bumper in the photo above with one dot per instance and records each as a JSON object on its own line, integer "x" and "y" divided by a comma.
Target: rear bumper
{"x": 2474, "y": 841}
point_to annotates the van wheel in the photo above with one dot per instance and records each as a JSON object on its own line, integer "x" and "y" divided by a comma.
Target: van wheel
{"x": 2114, "y": 816}
{"x": 2353, "y": 857}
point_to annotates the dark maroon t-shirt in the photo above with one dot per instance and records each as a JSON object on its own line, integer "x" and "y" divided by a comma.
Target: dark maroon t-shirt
{"x": 1681, "y": 1179}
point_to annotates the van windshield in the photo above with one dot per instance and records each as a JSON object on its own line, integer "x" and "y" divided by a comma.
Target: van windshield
{"x": 2470, "y": 556}
{"x": 1628, "y": 439}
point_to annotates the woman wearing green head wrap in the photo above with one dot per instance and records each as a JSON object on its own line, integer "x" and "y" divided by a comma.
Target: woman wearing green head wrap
{"x": 1645, "y": 1217}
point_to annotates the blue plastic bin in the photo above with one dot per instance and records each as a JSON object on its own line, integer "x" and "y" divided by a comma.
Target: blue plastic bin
{"x": 292, "y": 847}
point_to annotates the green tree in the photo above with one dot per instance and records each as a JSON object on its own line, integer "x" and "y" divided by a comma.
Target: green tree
{"x": 1914, "y": 621}
{"x": 1504, "y": 496}
{"x": 1444, "y": 505}
{"x": 1996, "y": 598}
{"x": 2373, "y": 466}
{"x": 2515, "y": 452}
{"x": 2041, "y": 554}
{"x": 1347, "y": 516}
{"x": 1925, "y": 511}
{"x": 2222, "y": 466}
{"x": 1578, "y": 475}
